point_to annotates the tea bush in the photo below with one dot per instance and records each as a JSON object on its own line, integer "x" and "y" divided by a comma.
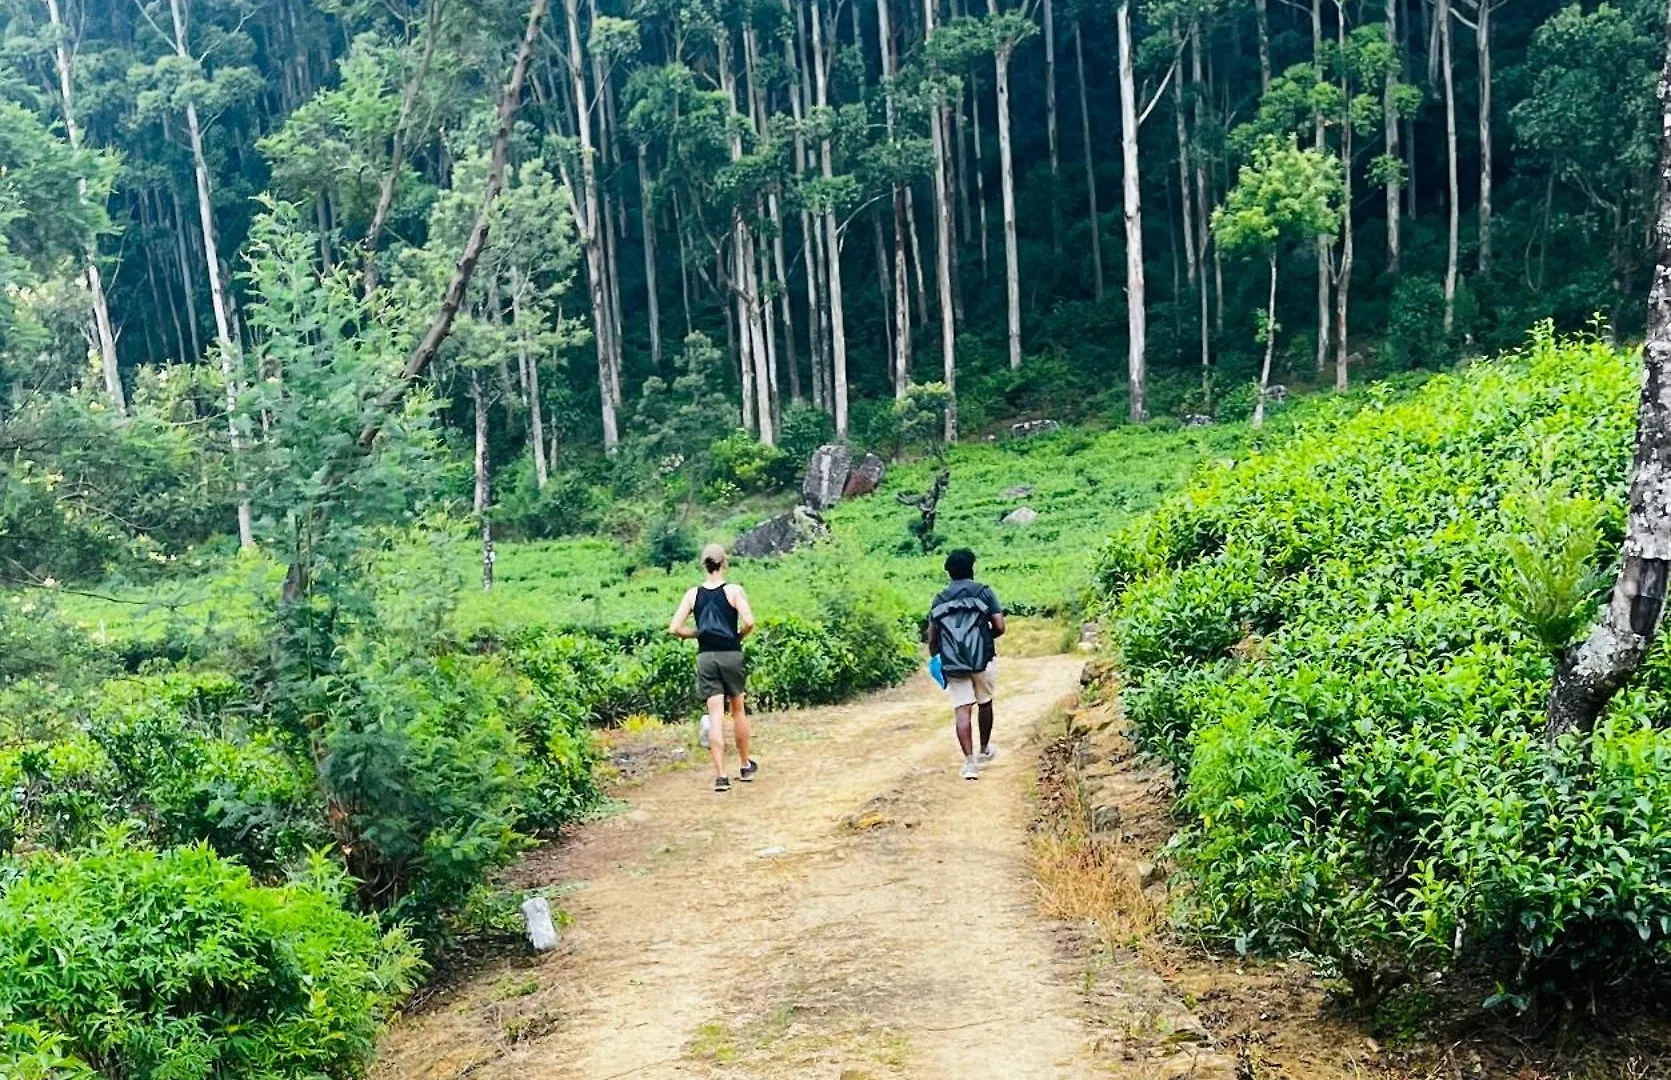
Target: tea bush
{"x": 1345, "y": 645}
{"x": 177, "y": 966}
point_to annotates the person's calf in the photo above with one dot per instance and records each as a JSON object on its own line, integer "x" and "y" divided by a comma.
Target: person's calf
{"x": 965, "y": 738}
{"x": 986, "y": 726}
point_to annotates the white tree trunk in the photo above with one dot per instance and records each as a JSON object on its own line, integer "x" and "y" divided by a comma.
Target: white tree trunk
{"x": 1179, "y": 123}
{"x": 1324, "y": 249}
{"x": 798, "y": 93}
{"x": 104, "y": 332}
{"x": 231, "y": 356}
{"x": 1048, "y": 15}
{"x": 652, "y": 291}
{"x": 1451, "y": 189}
{"x": 1590, "y": 673}
{"x": 1390, "y": 120}
{"x": 1136, "y": 315}
{"x": 1263, "y": 19}
{"x": 1483, "y": 42}
{"x": 1090, "y": 163}
{"x": 1270, "y": 347}
{"x": 589, "y": 226}
{"x": 482, "y": 494}
{"x": 942, "y": 249}
{"x": 980, "y": 174}
{"x": 1006, "y": 173}
{"x": 832, "y": 237}
{"x": 1343, "y": 284}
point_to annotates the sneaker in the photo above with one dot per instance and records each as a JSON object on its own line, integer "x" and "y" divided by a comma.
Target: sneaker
{"x": 722, "y": 784}
{"x": 702, "y": 735}
{"x": 971, "y": 768}
{"x": 746, "y": 773}
{"x": 987, "y": 756}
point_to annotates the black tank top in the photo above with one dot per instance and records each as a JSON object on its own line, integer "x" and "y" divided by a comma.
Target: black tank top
{"x": 716, "y": 621}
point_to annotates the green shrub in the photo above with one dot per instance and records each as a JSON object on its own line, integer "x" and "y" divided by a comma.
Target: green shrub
{"x": 667, "y": 544}
{"x": 1416, "y": 324}
{"x": 175, "y": 966}
{"x": 568, "y": 505}
{"x": 424, "y": 777}
{"x": 745, "y": 463}
{"x": 1345, "y": 647}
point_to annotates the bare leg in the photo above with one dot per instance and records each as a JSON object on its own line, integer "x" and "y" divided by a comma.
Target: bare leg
{"x": 964, "y": 738}
{"x": 716, "y": 732}
{"x": 986, "y": 726}
{"x": 739, "y": 725}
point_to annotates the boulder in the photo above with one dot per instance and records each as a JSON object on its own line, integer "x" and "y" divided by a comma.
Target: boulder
{"x": 1276, "y": 392}
{"x": 826, "y": 476}
{"x": 1021, "y": 517}
{"x": 865, "y": 478}
{"x": 1105, "y": 819}
{"x": 1020, "y": 491}
{"x": 1026, "y": 429}
{"x": 1198, "y": 420}
{"x": 780, "y": 535}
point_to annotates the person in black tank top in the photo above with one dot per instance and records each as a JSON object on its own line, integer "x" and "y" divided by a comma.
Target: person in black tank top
{"x": 723, "y": 620}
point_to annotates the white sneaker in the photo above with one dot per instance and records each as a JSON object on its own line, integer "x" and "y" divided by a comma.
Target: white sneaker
{"x": 987, "y": 756}
{"x": 702, "y": 736}
{"x": 971, "y": 768}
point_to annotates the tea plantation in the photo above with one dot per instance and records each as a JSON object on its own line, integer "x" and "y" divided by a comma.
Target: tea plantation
{"x": 1345, "y": 647}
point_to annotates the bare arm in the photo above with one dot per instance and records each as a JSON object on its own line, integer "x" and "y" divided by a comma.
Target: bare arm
{"x": 677, "y": 626}
{"x": 933, "y": 638}
{"x": 745, "y": 614}
{"x": 998, "y": 625}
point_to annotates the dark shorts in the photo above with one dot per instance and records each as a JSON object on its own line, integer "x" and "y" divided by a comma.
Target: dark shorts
{"x": 720, "y": 673}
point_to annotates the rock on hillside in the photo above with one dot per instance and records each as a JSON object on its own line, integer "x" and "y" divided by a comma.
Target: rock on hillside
{"x": 826, "y": 476}
{"x": 865, "y": 478}
{"x": 780, "y": 535}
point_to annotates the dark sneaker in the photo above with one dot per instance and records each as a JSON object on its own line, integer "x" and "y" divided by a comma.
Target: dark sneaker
{"x": 746, "y": 773}
{"x": 722, "y": 783}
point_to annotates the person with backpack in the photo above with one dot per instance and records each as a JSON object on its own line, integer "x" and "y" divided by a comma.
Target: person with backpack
{"x": 964, "y": 623}
{"x": 723, "y": 620}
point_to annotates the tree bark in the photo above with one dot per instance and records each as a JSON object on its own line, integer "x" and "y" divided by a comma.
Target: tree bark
{"x": 231, "y": 357}
{"x": 1136, "y": 315}
{"x": 1263, "y": 19}
{"x": 1324, "y": 248}
{"x": 1389, "y": 117}
{"x": 832, "y": 235}
{"x": 1090, "y": 164}
{"x": 104, "y": 331}
{"x": 1270, "y": 347}
{"x": 589, "y": 226}
{"x": 942, "y": 250}
{"x": 1180, "y": 124}
{"x": 482, "y": 494}
{"x": 1203, "y": 224}
{"x": 1590, "y": 673}
{"x": 397, "y": 149}
{"x": 1343, "y": 282}
{"x": 1482, "y": 38}
{"x": 1443, "y": 26}
{"x": 530, "y": 381}
{"x": 798, "y": 96}
{"x": 652, "y": 291}
{"x": 1048, "y": 15}
{"x": 980, "y": 173}
{"x": 1006, "y": 173}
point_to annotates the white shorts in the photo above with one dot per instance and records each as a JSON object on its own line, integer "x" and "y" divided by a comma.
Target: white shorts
{"x": 973, "y": 689}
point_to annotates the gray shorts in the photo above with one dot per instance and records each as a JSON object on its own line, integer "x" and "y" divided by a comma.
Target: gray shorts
{"x": 720, "y": 673}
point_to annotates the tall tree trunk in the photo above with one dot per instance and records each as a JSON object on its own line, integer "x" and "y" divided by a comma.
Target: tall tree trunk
{"x": 1270, "y": 347}
{"x": 1343, "y": 283}
{"x": 885, "y": 289}
{"x": 1203, "y": 223}
{"x": 1390, "y": 119}
{"x": 647, "y": 221}
{"x": 1443, "y": 25}
{"x": 899, "y": 302}
{"x": 917, "y": 277}
{"x": 231, "y": 357}
{"x": 1047, "y": 11}
{"x": 1090, "y": 163}
{"x": 530, "y": 382}
{"x": 1180, "y": 124}
{"x": 483, "y": 520}
{"x": 1136, "y": 315}
{"x": 1590, "y": 673}
{"x": 1006, "y": 173}
{"x": 832, "y": 234}
{"x": 798, "y": 96}
{"x": 104, "y": 332}
{"x": 1482, "y": 39}
{"x": 183, "y": 256}
{"x": 980, "y": 173}
{"x": 588, "y": 225}
{"x": 397, "y": 149}
{"x": 943, "y": 247}
{"x": 1325, "y": 270}
{"x": 1263, "y": 19}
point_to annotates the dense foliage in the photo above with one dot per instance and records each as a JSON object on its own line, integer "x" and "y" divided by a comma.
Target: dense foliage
{"x": 1345, "y": 647}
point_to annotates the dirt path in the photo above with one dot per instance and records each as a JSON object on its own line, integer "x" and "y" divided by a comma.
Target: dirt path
{"x": 860, "y": 913}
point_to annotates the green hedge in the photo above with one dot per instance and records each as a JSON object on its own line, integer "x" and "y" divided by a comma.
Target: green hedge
{"x": 122, "y": 962}
{"x": 1341, "y": 648}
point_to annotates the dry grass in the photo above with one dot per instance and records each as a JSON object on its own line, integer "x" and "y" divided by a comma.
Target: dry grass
{"x": 1025, "y": 637}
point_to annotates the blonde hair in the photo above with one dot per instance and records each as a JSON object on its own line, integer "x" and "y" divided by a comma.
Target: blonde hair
{"x": 713, "y": 558}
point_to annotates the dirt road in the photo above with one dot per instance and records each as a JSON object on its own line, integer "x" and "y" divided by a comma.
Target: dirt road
{"x": 859, "y": 913}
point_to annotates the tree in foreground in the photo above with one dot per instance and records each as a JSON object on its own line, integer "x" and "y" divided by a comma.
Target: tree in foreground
{"x": 1588, "y": 676}
{"x": 1285, "y": 194}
